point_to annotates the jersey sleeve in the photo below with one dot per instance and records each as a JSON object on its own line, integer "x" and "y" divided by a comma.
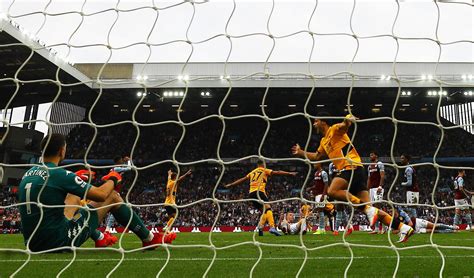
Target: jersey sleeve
{"x": 268, "y": 172}
{"x": 320, "y": 148}
{"x": 73, "y": 184}
{"x": 408, "y": 176}
{"x": 405, "y": 216}
{"x": 461, "y": 183}
{"x": 123, "y": 168}
{"x": 331, "y": 169}
{"x": 325, "y": 177}
{"x": 381, "y": 166}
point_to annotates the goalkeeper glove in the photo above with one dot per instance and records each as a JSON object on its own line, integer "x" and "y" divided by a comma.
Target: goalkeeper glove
{"x": 113, "y": 176}
{"x": 85, "y": 175}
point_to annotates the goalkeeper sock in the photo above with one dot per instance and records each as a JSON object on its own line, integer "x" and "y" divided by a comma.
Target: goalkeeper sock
{"x": 170, "y": 221}
{"x": 97, "y": 235}
{"x": 468, "y": 219}
{"x": 123, "y": 215}
{"x": 270, "y": 219}
{"x": 456, "y": 219}
{"x": 321, "y": 221}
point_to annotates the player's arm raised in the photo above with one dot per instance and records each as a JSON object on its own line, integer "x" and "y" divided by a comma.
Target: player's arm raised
{"x": 297, "y": 151}
{"x": 346, "y": 123}
{"x": 237, "y": 182}
{"x": 100, "y": 194}
{"x": 180, "y": 179}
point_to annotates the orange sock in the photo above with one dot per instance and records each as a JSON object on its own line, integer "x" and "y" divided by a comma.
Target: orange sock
{"x": 329, "y": 207}
{"x": 263, "y": 220}
{"x": 270, "y": 219}
{"x": 170, "y": 221}
{"x": 354, "y": 199}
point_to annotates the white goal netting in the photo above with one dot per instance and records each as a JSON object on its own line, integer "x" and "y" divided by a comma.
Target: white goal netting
{"x": 212, "y": 87}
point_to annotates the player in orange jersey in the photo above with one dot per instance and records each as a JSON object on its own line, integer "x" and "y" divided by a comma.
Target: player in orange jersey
{"x": 171, "y": 189}
{"x": 258, "y": 180}
{"x": 350, "y": 183}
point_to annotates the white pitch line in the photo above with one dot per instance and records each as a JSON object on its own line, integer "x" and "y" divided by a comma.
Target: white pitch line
{"x": 238, "y": 259}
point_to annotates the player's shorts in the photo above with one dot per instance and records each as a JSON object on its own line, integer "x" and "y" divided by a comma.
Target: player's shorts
{"x": 73, "y": 232}
{"x": 461, "y": 204}
{"x": 359, "y": 179}
{"x": 83, "y": 218}
{"x": 420, "y": 225}
{"x": 413, "y": 197}
{"x": 319, "y": 201}
{"x": 256, "y": 204}
{"x": 376, "y": 196}
{"x": 170, "y": 210}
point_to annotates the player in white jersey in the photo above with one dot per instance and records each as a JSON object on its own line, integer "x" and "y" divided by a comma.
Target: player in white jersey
{"x": 461, "y": 202}
{"x": 123, "y": 164}
{"x": 422, "y": 226}
{"x": 288, "y": 225}
{"x": 411, "y": 184}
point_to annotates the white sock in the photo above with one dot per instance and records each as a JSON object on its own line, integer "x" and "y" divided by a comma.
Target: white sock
{"x": 149, "y": 238}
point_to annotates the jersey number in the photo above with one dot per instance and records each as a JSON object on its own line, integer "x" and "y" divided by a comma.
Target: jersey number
{"x": 28, "y": 192}
{"x": 256, "y": 176}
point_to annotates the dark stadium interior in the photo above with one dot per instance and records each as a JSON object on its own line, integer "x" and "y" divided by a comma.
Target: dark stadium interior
{"x": 285, "y": 117}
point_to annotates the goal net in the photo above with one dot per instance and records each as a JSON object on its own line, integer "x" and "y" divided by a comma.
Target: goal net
{"x": 217, "y": 87}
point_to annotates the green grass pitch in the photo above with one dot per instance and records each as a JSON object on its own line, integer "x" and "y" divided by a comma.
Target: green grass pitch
{"x": 236, "y": 255}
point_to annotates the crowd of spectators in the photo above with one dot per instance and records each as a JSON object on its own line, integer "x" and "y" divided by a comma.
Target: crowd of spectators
{"x": 203, "y": 200}
{"x": 247, "y": 136}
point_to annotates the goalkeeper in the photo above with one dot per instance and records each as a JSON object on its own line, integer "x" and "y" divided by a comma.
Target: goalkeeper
{"x": 45, "y": 189}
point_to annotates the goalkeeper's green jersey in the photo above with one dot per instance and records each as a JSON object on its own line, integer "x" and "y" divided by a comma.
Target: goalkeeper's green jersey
{"x": 48, "y": 186}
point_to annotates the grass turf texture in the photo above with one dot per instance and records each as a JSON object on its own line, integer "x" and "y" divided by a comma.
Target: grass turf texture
{"x": 237, "y": 260}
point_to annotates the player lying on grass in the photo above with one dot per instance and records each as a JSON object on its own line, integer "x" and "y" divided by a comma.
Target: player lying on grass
{"x": 288, "y": 225}
{"x": 422, "y": 226}
{"x": 46, "y": 189}
{"x": 337, "y": 146}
